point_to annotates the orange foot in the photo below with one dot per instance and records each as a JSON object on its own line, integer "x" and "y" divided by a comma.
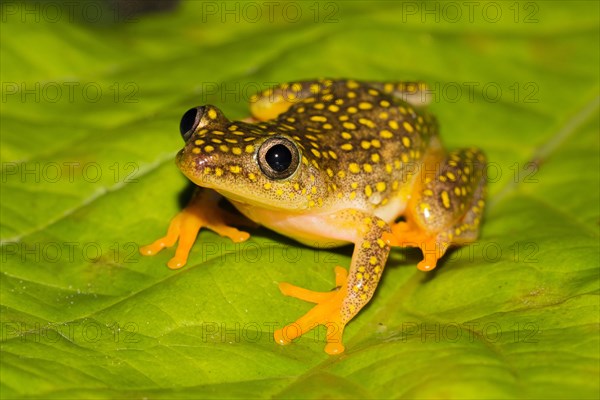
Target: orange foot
{"x": 405, "y": 235}
{"x": 201, "y": 212}
{"x": 327, "y": 312}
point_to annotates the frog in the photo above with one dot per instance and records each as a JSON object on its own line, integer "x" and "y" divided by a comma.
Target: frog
{"x": 330, "y": 162}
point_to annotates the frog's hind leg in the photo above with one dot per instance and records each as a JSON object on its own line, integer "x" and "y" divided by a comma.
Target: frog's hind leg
{"x": 445, "y": 208}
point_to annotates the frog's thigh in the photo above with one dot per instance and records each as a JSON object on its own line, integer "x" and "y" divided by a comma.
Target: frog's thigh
{"x": 274, "y": 101}
{"x": 445, "y": 208}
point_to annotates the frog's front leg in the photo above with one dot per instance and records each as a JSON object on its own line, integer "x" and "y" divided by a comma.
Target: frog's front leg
{"x": 445, "y": 208}
{"x": 202, "y": 211}
{"x": 353, "y": 289}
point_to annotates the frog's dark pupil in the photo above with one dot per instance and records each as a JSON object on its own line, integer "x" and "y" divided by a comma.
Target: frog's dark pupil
{"x": 279, "y": 157}
{"x": 187, "y": 121}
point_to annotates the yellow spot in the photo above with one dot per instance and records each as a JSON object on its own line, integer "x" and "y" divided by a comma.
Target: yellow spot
{"x": 268, "y": 185}
{"x": 406, "y": 141}
{"x": 231, "y": 140}
{"x": 352, "y": 195}
{"x": 316, "y": 153}
{"x": 351, "y": 95}
{"x": 218, "y": 171}
{"x": 342, "y": 174}
{"x": 376, "y": 143}
{"x": 380, "y": 223}
{"x": 196, "y": 150}
{"x": 333, "y": 108}
{"x": 393, "y": 124}
{"x": 384, "y": 103}
{"x": 313, "y": 190}
{"x": 346, "y": 135}
{"x": 354, "y": 168}
{"x": 224, "y": 148}
{"x": 409, "y": 128}
{"x": 209, "y": 149}
{"x": 352, "y": 110}
{"x": 386, "y": 134}
{"x": 212, "y": 114}
{"x": 327, "y": 126}
{"x": 354, "y": 185}
{"x": 375, "y": 157}
{"x": 365, "y": 144}
{"x": 311, "y": 203}
{"x": 236, "y": 150}
{"x": 332, "y": 154}
{"x": 388, "y": 168}
{"x": 365, "y": 106}
{"x": 373, "y": 260}
{"x": 428, "y": 192}
{"x": 352, "y": 84}
{"x": 383, "y": 115}
{"x": 279, "y": 192}
{"x": 235, "y": 169}
{"x": 451, "y": 176}
{"x": 368, "y": 190}
{"x": 367, "y": 122}
{"x": 381, "y": 243}
{"x": 366, "y": 245}
{"x": 367, "y": 167}
{"x": 249, "y": 148}
{"x": 445, "y": 199}
{"x": 343, "y": 118}
{"x": 199, "y": 142}
{"x": 380, "y": 186}
{"x": 318, "y": 118}
{"x": 251, "y": 176}
{"x": 349, "y": 125}
{"x": 319, "y": 106}
{"x": 457, "y": 191}
{"x": 346, "y": 146}
{"x": 206, "y": 171}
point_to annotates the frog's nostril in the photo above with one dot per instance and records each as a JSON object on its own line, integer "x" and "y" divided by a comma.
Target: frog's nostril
{"x": 189, "y": 122}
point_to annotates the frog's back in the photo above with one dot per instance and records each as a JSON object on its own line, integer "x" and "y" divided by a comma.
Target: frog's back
{"x": 367, "y": 140}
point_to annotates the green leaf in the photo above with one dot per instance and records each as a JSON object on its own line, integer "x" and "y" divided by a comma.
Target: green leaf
{"x": 90, "y": 110}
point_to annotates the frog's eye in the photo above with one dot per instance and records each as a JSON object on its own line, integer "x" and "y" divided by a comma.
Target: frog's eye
{"x": 278, "y": 158}
{"x": 189, "y": 122}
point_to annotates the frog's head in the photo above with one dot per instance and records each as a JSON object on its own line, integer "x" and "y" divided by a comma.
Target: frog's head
{"x": 258, "y": 164}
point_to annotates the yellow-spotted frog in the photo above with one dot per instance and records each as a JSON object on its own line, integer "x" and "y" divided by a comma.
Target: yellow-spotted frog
{"x": 330, "y": 161}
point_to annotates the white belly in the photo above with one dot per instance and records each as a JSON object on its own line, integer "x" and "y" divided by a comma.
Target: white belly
{"x": 315, "y": 229}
